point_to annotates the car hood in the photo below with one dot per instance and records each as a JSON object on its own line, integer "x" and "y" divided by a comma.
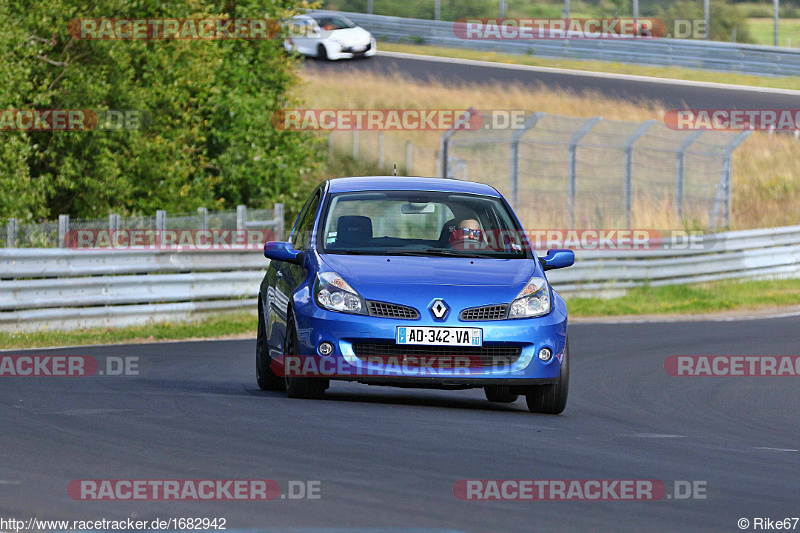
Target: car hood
{"x": 364, "y": 271}
{"x": 351, "y": 35}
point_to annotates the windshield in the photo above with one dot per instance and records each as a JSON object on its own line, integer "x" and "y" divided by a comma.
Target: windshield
{"x": 330, "y": 23}
{"x": 421, "y": 223}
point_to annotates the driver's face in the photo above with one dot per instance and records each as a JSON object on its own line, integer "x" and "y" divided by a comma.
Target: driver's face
{"x": 472, "y": 224}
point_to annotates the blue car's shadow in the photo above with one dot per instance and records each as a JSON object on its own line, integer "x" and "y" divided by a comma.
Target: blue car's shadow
{"x": 421, "y": 397}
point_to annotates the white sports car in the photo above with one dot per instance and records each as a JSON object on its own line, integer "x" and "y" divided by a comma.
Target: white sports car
{"x": 328, "y": 36}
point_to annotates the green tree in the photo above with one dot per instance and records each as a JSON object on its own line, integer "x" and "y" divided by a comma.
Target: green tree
{"x": 207, "y": 139}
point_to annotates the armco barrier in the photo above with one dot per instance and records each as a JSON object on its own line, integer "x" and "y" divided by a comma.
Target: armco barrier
{"x": 65, "y": 289}
{"x": 711, "y": 55}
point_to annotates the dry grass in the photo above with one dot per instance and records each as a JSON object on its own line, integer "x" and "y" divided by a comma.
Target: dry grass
{"x": 766, "y": 180}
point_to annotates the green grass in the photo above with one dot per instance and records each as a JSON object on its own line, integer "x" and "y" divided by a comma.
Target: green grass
{"x": 217, "y": 326}
{"x": 678, "y": 73}
{"x": 692, "y": 299}
{"x": 761, "y": 30}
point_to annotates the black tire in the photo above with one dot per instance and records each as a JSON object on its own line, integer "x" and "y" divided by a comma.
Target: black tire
{"x": 299, "y": 387}
{"x": 322, "y": 53}
{"x": 266, "y": 378}
{"x": 551, "y": 399}
{"x": 500, "y": 394}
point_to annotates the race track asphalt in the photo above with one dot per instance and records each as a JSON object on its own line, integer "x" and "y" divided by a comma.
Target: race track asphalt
{"x": 671, "y": 95}
{"x": 390, "y": 457}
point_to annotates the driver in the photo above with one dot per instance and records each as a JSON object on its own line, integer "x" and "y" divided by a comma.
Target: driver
{"x": 467, "y": 234}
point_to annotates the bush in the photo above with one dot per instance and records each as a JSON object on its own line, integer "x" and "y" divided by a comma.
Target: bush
{"x": 724, "y": 18}
{"x": 209, "y": 142}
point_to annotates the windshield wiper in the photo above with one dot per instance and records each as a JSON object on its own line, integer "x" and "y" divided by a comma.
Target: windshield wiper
{"x": 438, "y": 251}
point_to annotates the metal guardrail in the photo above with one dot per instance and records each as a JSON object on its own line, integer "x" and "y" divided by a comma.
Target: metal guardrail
{"x": 65, "y": 289}
{"x": 710, "y": 55}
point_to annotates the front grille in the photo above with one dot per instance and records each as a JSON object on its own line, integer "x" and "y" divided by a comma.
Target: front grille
{"x": 386, "y": 310}
{"x": 411, "y": 355}
{"x": 488, "y": 312}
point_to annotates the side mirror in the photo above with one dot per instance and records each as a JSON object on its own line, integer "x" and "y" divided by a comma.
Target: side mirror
{"x": 283, "y": 251}
{"x": 557, "y": 259}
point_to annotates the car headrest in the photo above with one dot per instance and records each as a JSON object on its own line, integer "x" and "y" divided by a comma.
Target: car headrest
{"x": 447, "y": 229}
{"x": 353, "y": 230}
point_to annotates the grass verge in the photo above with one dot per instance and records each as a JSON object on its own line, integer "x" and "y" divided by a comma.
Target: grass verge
{"x": 678, "y": 73}
{"x": 718, "y": 296}
{"x": 222, "y": 325}
{"x": 722, "y": 296}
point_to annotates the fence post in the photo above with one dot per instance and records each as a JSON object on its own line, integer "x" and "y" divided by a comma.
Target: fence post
{"x": 627, "y": 184}
{"x": 161, "y": 221}
{"x": 11, "y": 233}
{"x": 444, "y": 141}
{"x": 529, "y": 123}
{"x": 724, "y": 196}
{"x": 330, "y": 145}
{"x": 437, "y": 10}
{"x": 355, "y": 144}
{"x": 369, "y": 7}
{"x": 202, "y": 212}
{"x": 680, "y": 171}
{"x": 573, "y": 148}
{"x": 380, "y": 149}
{"x": 409, "y": 150}
{"x": 277, "y": 212}
{"x": 241, "y": 217}
{"x": 444, "y": 145}
{"x": 113, "y": 222}
{"x": 63, "y": 228}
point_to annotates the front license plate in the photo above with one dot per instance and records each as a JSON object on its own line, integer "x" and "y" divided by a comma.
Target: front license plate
{"x": 439, "y": 336}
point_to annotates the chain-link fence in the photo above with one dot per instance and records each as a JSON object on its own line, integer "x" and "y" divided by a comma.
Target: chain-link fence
{"x": 50, "y": 234}
{"x": 574, "y": 172}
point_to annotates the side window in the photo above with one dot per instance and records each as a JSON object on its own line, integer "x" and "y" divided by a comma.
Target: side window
{"x": 301, "y": 238}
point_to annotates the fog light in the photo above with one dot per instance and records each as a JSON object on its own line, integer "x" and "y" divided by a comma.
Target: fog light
{"x": 326, "y": 348}
{"x": 545, "y": 355}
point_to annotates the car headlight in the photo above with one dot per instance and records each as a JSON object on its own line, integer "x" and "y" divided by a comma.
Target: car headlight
{"x": 335, "y": 294}
{"x": 533, "y": 300}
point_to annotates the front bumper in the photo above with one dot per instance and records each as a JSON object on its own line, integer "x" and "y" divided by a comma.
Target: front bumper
{"x": 343, "y": 331}
{"x": 347, "y": 52}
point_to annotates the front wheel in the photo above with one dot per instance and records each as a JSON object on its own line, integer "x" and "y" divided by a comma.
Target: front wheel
{"x": 551, "y": 399}
{"x": 299, "y": 387}
{"x": 322, "y": 53}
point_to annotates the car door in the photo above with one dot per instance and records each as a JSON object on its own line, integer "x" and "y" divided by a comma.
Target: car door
{"x": 305, "y": 40}
{"x": 289, "y": 276}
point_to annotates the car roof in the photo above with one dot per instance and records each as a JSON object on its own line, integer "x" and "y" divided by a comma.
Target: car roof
{"x": 409, "y": 183}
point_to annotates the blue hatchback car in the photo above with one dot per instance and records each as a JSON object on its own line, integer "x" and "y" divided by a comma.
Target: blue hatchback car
{"x": 412, "y": 282}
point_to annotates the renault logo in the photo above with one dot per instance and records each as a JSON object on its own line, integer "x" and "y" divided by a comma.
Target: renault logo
{"x": 439, "y": 309}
